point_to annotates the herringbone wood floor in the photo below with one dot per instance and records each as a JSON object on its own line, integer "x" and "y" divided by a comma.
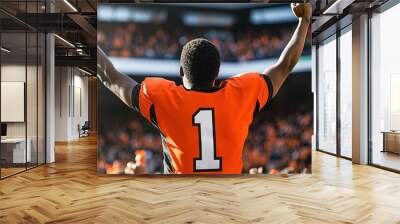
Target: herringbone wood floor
{"x": 69, "y": 191}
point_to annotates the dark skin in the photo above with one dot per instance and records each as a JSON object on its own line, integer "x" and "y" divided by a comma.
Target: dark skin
{"x": 292, "y": 52}
{"x": 122, "y": 86}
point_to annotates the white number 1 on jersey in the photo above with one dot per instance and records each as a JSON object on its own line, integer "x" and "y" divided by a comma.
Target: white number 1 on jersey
{"x": 208, "y": 160}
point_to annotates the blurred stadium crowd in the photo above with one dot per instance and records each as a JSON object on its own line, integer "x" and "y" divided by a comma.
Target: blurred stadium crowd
{"x": 157, "y": 41}
{"x": 279, "y": 140}
{"x": 274, "y": 145}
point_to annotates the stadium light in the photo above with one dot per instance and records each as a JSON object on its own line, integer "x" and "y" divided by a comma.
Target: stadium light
{"x": 70, "y": 5}
{"x": 5, "y": 50}
{"x": 208, "y": 19}
{"x": 65, "y": 41}
{"x": 127, "y": 14}
{"x": 272, "y": 15}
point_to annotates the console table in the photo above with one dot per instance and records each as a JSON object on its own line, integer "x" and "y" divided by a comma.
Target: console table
{"x": 391, "y": 141}
{"x": 13, "y": 150}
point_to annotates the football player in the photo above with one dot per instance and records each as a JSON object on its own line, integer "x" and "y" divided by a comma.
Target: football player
{"x": 203, "y": 124}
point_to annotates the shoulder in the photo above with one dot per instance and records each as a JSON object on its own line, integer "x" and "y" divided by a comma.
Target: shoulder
{"x": 151, "y": 91}
{"x": 253, "y": 85}
{"x": 155, "y": 81}
{"x": 246, "y": 79}
{"x": 156, "y": 85}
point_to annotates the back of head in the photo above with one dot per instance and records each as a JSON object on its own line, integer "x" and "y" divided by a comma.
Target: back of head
{"x": 200, "y": 61}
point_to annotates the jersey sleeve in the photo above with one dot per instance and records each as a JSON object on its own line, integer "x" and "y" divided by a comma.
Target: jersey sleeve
{"x": 145, "y": 95}
{"x": 255, "y": 84}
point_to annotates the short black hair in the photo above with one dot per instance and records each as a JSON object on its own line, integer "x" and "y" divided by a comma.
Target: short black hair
{"x": 200, "y": 61}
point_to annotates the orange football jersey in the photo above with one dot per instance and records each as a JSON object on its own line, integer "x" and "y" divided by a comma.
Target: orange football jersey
{"x": 203, "y": 131}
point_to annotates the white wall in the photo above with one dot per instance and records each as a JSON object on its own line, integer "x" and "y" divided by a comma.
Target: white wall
{"x": 61, "y": 103}
{"x": 33, "y": 126}
{"x": 13, "y": 73}
{"x": 71, "y": 102}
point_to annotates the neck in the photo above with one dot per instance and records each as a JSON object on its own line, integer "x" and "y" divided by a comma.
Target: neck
{"x": 188, "y": 85}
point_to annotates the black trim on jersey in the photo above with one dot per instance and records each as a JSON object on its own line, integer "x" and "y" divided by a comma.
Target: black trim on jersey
{"x": 256, "y": 110}
{"x": 167, "y": 160}
{"x": 153, "y": 116}
{"x": 270, "y": 90}
{"x": 205, "y": 89}
{"x": 200, "y": 146}
{"x": 135, "y": 97}
{"x": 135, "y": 104}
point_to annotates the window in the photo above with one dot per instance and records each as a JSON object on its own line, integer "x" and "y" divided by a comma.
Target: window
{"x": 13, "y": 148}
{"x": 22, "y": 76}
{"x": 327, "y": 96}
{"x": 385, "y": 89}
{"x": 346, "y": 92}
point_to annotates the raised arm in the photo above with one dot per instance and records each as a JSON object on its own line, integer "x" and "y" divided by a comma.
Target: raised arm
{"x": 291, "y": 54}
{"x": 120, "y": 84}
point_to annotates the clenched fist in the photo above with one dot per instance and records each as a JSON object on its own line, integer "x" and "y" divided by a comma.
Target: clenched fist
{"x": 302, "y": 10}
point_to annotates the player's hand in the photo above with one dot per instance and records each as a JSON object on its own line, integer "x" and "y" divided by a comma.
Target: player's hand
{"x": 302, "y": 10}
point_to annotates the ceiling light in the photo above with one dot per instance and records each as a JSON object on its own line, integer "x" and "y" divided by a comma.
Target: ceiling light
{"x": 70, "y": 5}
{"x": 337, "y": 7}
{"x": 84, "y": 71}
{"x": 65, "y": 41}
{"x": 5, "y": 50}
{"x": 79, "y": 51}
